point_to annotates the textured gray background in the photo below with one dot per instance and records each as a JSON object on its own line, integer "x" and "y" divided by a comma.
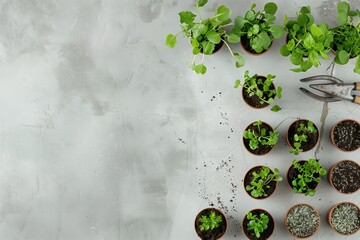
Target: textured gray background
{"x": 106, "y": 134}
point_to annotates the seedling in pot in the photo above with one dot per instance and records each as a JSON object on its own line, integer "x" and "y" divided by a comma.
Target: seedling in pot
{"x": 205, "y": 35}
{"x": 347, "y": 36}
{"x": 302, "y": 221}
{"x": 210, "y": 223}
{"x": 260, "y": 90}
{"x": 258, "y": 224}
{"x": 307, "y": 41}
{"x": 260, "y": 136}
{"x": 344, "y": 218}
{"x": 261, "y": 180}
{"x": 256, "y": 30}
{"x": 301, "y": 136}
{"x": 305, "y": 175}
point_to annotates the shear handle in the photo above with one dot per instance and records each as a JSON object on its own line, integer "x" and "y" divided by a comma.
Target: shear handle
{"x": 357, "y": 86}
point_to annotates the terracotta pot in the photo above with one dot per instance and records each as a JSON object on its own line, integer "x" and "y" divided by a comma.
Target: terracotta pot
{"x": 248, "y": 178}
{"x": 289, "y": 179}
{"x": 313, "y": 141}
{"x": 267, "y": 232}
{"x": 304, "y": 230}
{"x": 214, "y": 234}
{"x": 349, "y": 176}
{"x": 345, "y": 216}
{"x": 247, "y": 99}
{"x": 257, "y": 152}
{"x": 334, "y": 135}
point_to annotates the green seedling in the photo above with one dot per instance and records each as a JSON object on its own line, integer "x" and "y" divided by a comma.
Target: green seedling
{"x": 347, "y": 36}
{"x": 257, "y": 27}
{"x": 262, "y": 88}
{"x": 301, "y": 136}
{"x": 261, "y": 137}
{"x": 307, "y": 41}
{"x": 310, "y": 171}
{"x": 210, "y": 222}
{"x": 261, "y": 181}
{"x": 205, "y": 34}
{"x": 257, "y": 224}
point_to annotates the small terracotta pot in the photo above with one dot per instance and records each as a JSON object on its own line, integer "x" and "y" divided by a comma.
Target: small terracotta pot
{"x": 254, "y": 152}
{"x": 330, "y": 212}
{"x": 348, "y": 177}
{"x": 304, "y": 217}
{"x": 248, "y": 177}
{"x": 245, "y": 43}
{"x": 333, "y": 133}
{"x": 289, "y": 180}
{"x": 292, "y": 125}
{"x": 208, "y": 234}
{"x": 267, "y": 233}
{"x": 247, "y": 98}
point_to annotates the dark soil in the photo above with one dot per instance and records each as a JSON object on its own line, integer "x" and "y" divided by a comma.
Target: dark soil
{"x": 312, "y": 137}
{"x": 254, "y": 100}
{"x": 245, "y": 42}
{"x": 249, "y": 177}
{"x": 345, "y": 176}
{"x": 346, "y": 135}
{"x": 267, "y": 232}
{"x": 214, "y": 234}
{"x": 262, "y": 149}
{"x": 293, "y": 173}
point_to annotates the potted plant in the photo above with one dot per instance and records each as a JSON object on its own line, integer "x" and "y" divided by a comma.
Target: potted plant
{"x": 210, "y": 224}
{"x": 344, "y": 176}
{"x": 206, "y": 36}
{"x": 302, "y": 136}
{"x": 304, "y": 176}
{"x": 307, "y": 41}
{"x": 259, "y": 138}
{"x": 346, "y": 43}
{"x": 259, "y": 91}
{"x": 344, "y": 218}
{"x": 256, "y": 31}
{"x": 258, "y": 224}
{"x": 302, "y": 220}
{"x": 345, "y": 135}
{"x": 260, "y": 181}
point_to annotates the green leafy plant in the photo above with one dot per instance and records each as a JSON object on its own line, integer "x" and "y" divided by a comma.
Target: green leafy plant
{"x": 347, "y": 36}
{"x": 210, "y": 222}
{"x": 261, "y": 137}
{"x": 205, "y": 34}
{"x": 301, "y": 136}
{"x": 307, "y": 41}
{"x": 261, "y": 181}
{"x": 257, "y": 224}
{"x": 308, "y": 172}
{"x": 257, "y": 27}
{"x": 262, "y": 88}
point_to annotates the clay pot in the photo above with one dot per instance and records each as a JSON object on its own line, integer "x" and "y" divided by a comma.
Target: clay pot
{"x": 254, "y": 101}
{"x": 345, "y": 135}
{"x": 215, "y": 233}
{"x": 292, "y": 173}
{"x": 263, "y": 149}
{"x": 344, "y": 218}
{"x": 344, "y": 176}
{"x": 302, "y": 221}
{"x": 267, "y": 232}
{"x": 249, "y": 177}
{"x": 313, "y": 138}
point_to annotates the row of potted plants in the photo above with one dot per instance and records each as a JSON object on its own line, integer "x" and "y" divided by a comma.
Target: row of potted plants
{"x": 306, "y": 41}
{"x": 301, "y": 221}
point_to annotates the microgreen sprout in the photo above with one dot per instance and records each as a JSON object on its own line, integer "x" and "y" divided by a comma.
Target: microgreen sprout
{"x": 262, "y": 180}
{"x": 308, "y": 172}
{"x": 257, "y": 224}
{"x": 261, "y": 137}
{"x": 302, "y": 135}
{"x": 210, "y": 222}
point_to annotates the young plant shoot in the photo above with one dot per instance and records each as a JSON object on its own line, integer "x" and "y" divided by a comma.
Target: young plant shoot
{"x": 261, "y": 137}
{"x": 210, "y": 222}
{"x": 261, "y": 181}
{"x": 301, "y": 136}
{"x": 257, "y": 224}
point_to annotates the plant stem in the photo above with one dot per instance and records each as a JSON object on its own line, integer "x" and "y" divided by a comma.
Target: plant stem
{"x": 227, "y": 45}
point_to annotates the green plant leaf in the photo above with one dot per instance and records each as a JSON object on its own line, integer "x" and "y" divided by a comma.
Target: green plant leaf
{"x": 302, "y": 19}
{"x": 240, "y": 21}
{"x": 187, "y": 17}
{"x": 208, "y": 47}
{"x": 200, "y": 69}
{"x": 270, "y": 8}
{"x": 240, "y": 60}
{"x": 316, "y": 31}
{"x": 223, "y": 13}
{"x": 277, "y": 31}
{"x": 343, "y": 7}
{"x": 357, "y": 66}
{"x": 279, "y": 92}
{"x": 237, "y": 83}
{"x": 213, "y": 37}
{"x": 314, "y": 58}
{"x": 284, "y": 51}
{"x": 199, "y": 29}
{"x": 233, "y": 38}
{"x": 264, "y": 40}
{"x": 276, "y": 108}
{"x": 202, "y": 3}
{"x": 296, "y": 58}
{"x": 309, "y": 41}
{"x": 343, "y": 57}
{"x": 250, "y": 15}
{"x": 170, "y": 41}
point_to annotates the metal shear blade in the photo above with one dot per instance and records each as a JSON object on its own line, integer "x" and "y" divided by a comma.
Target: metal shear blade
{"x": 328, "y": 97}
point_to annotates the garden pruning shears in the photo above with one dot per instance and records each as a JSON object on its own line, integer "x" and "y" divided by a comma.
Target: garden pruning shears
{"x": 334, "y": 89}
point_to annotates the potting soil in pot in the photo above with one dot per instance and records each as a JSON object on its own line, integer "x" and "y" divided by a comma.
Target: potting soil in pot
{"x": 346, "y": 177}
{"x": 302, "y": 221}
{"x": 345, "y": 218}
{"x": 347, "y": 135}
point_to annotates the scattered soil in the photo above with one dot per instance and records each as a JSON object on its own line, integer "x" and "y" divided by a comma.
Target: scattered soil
{"x": 293, "y": 173}
{"x": 302, "y": 221}
{"x": 345, "y": 176}
{"x": 345, "y": 218}
{"x": 312, "y": 137}
{"x": 214, "y": 234}
{"x": 254, "y": 101}
{"x": 267, "y": 232}
{"x": 249, "y": 177}
{"x": 262, "y": 149}
{"x": 346, "y": 135}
